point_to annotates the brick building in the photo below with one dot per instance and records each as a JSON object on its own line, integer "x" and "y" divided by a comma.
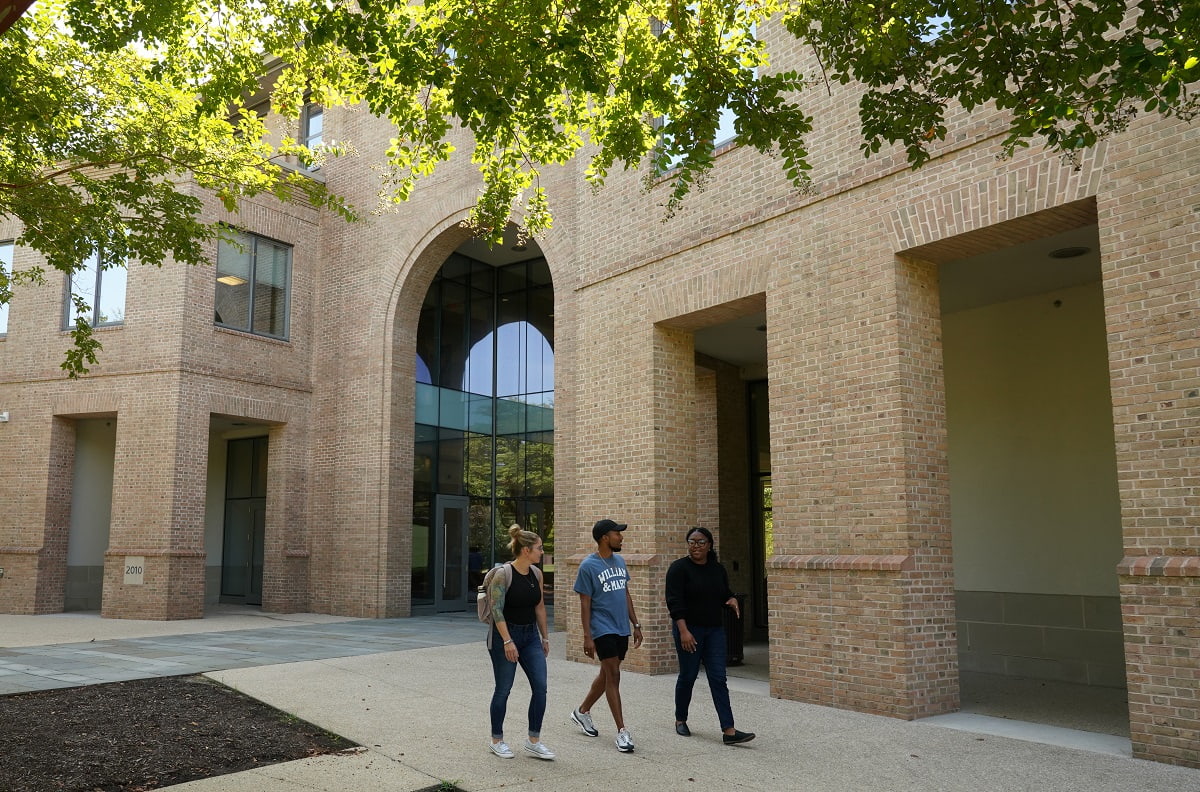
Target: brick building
{"x": 939, "y": 419}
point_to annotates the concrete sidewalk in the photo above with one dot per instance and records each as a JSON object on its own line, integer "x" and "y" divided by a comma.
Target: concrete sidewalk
{"x": 419, "y": 708}
{"x": 422, "y": 716}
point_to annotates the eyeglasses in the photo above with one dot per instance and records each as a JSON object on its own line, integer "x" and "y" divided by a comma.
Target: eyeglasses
{"x": 697, "y": 542}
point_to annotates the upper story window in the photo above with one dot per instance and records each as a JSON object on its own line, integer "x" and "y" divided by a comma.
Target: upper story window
{"x": 312, "y": 125}
{"x": 6, "y": 259}
{"x": 100, "y": 285}
{"x": 253, "y": 285}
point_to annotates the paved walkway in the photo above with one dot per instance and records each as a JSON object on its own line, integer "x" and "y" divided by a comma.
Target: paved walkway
{"x": 99, "y": 660}
{"x": 414, "y": 693}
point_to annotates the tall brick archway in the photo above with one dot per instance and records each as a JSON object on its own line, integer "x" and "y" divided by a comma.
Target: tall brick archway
{"x": 414, "y": 277}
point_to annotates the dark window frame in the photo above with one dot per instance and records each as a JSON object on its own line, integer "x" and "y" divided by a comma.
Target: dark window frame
{"x": 251, "y": 243}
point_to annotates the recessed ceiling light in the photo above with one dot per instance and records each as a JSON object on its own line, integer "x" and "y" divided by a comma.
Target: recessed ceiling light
{"x": 1070, "y": 252}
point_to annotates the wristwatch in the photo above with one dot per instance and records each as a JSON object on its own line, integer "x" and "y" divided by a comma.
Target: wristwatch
{"x": 637, "y": 626}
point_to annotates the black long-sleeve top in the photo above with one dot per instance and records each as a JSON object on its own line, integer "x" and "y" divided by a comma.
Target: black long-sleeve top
{"x": 696, "y": 593}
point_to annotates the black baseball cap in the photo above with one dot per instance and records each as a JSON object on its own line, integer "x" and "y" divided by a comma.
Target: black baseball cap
{"x": 604, "y": 526}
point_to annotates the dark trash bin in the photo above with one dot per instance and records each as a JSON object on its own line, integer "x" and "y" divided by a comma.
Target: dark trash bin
{"x": 735, "y": 633}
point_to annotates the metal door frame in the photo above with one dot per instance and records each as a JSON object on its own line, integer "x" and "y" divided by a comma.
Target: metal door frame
{"x": 450, "y": 599}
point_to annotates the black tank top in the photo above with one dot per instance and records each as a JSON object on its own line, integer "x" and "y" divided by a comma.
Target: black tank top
{"x": 522, "y": 598}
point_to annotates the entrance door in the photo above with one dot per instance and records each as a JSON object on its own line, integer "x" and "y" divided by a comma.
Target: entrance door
{"x": 245, "y": 521}
{"x": 242, "y": 555}
{"x": 450, "y": 553}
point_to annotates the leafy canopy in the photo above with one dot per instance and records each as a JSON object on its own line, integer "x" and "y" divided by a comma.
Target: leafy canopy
{"x": 117, "y": 114}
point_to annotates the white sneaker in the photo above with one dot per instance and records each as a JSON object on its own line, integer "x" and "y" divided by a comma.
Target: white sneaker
{"x": 624, "y": 741}
{"x": 502, "y": 750}
{"x": 584, "y": 721}
{"x": 539, "y": 750}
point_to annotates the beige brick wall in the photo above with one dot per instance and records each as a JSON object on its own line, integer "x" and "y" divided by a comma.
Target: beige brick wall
{"x": 861, "y": 594}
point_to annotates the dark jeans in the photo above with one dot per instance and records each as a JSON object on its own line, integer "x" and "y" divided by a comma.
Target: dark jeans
{"x": 532, "y": 659}
{"x": 710, "y": 650}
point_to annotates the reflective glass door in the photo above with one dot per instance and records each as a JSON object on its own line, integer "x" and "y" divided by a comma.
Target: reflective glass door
{"x": 450, "y": 553}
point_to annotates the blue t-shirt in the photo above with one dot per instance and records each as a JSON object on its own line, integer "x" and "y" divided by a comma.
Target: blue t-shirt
{"x": 604, "y": 580}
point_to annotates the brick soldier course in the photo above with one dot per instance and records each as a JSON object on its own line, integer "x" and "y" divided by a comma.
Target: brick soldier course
{"x": 861, "y": 583}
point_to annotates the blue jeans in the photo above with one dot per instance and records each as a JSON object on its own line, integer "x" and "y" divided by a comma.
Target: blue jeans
{"x": 532, "y": 659}
{"x": 710, "y": 650}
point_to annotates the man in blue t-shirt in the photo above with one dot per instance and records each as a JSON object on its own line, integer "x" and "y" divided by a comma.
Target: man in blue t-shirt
{"x": 606, "y": 610}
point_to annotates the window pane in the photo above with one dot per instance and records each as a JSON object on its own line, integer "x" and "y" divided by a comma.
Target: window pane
{"x": 480, "y": 414}
{"x": 424, "y": 457}
{"x": 111, "y": 305}
{"x": 540, "y": 412}
{"x": 510, "y": 339}
{"x": 422, "y": 546}
{"x": 451, "y": 462}
{"x": 83, "y": 284}
{"x": 233, "y": 284}
{"x": 510, "y": 417}
{"x": 479, "y": 359}
{"x": 6, "y": 258}
{"x": 453, "y": 340}
{"x": 427, "y": 404}
{"x": 454, "y": 409}
{"x": 270, "y": 289}
{"x": 314, "y": 126}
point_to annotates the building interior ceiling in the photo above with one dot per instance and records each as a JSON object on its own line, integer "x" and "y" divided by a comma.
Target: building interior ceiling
{"x": 1009, "y": 274}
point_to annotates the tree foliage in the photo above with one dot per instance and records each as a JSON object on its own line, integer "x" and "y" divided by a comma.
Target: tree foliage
{"x": 1066, "y": 73}
{"x": 118, "y": 114}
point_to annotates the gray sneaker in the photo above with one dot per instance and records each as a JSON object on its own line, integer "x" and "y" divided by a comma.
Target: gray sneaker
{"x": 539, "y": 750}
{"x": 502, "y": 750}
{"x": 584, "y": 721}
{"x": 624, "y": 741}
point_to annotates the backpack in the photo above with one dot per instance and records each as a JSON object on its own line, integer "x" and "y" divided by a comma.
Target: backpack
{"x": 483, "y": 603}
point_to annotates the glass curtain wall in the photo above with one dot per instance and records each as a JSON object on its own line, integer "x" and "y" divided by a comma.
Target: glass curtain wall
{"x": 484, "y": 410}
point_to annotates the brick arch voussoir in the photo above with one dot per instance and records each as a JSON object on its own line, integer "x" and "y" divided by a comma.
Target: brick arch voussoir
{"x": 709, "y": 297}
{"x": 1042, "y": 183}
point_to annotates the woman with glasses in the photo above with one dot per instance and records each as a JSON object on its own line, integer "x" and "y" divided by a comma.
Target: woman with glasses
{"x": 697, "y": 592}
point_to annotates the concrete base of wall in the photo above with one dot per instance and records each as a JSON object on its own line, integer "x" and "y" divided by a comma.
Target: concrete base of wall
{"x": 1065, "y": 638}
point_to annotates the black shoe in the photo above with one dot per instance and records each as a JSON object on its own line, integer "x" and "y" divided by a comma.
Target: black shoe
{"x": 682, "y": 730}
{"x": 737, "y": 737}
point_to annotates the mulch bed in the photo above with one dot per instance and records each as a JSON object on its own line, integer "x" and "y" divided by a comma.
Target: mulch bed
{"x": 145, "y": 734}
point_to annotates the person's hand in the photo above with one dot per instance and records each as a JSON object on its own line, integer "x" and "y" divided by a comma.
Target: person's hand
{"x": 589, "y": 647}
{"x": 546, "y": 646}
{"x": 687, "y": 641}
{"x": 733, "y": 603}
{"x": 637, "y": 637}
{"x": 510, "y": 652}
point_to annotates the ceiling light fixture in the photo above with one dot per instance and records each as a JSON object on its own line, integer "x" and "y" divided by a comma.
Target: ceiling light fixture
{"x": 1070, "y": 252}
{"x": 231, "y": 280}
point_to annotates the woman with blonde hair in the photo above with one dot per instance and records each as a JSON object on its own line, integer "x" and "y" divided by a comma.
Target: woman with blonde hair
{"x": 519, "y": 636}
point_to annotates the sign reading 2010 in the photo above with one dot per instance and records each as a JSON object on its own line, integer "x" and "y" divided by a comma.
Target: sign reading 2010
{"x": 135, "y": 567}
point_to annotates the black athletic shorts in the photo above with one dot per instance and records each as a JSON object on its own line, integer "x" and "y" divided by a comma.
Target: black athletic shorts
{"x": 611, "y": 646}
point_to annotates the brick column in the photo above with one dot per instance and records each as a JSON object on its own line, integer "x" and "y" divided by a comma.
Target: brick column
{"x": 861, "y": 586}
{"x": 1150, "y": 294}
{"x": 285, "y": 544}
{"x": 637, "y": 408}
{"x": 33, "y": 552}
{"x": 158, "y": 510}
